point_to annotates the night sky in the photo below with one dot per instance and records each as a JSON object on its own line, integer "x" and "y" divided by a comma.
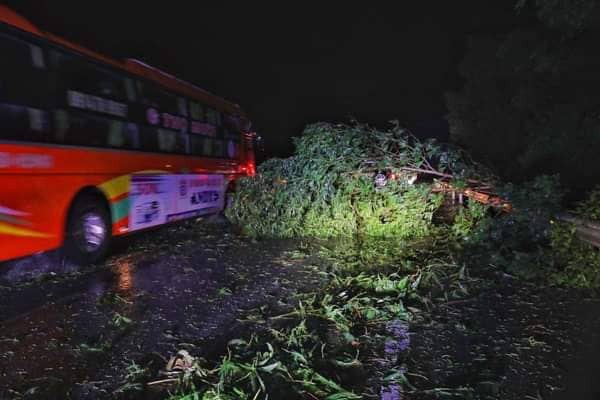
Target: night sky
{"x": 289, "y": 65}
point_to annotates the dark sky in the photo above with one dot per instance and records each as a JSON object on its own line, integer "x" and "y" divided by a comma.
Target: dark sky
{"x": 288, "y": 65}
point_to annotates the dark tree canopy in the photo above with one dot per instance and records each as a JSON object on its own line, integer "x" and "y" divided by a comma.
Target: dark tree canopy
{"x": 531, "y": 99}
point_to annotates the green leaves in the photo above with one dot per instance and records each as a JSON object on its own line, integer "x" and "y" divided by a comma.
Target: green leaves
{"x": 327, "y": 188}
{"x": 576, "y": 263}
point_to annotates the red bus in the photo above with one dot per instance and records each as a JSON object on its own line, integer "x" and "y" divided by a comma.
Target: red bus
{"x": 92, "y": 148}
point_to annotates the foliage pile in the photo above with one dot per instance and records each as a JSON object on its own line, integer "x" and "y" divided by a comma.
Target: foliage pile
{"x": 327, "y": 188}
{"x": 576, "y": 262}
{"x": 519, "y": 242}
{"x": 334, "y": 340}
{"x": 531, "y": 243}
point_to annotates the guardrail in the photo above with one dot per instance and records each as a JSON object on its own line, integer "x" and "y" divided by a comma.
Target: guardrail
{"x": 587, "y": 231}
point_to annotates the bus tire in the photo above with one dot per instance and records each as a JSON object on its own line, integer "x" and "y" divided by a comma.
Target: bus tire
{"x": 89, "y": 230}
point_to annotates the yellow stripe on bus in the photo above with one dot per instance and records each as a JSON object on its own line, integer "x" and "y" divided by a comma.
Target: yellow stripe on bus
{"x": 117, "y": 186}
{"x": 16, "y": 231}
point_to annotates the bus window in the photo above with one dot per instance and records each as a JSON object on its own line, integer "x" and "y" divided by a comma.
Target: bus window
{"x": 21, "y": 81}
{"x": 182, "y": 106}
{"x": 207, "y": 147}
{"x": 218, "y": 148}
{"x": 79, "y": 75}
{"x": 153, "y": 96}
{"x": 124, "y": 135}
{"x": 201, "y": 146}
{"x": 167, "y": 140}
{"x": 195, "y": 145}
{"x": 37, "y": 57}
{"x": 130, "y": 90}
{"x": 196, "y": 111}
{"x": 231, "y": 127}
{"x": 75, "y": 128}
{"x": 211, "y": 116}
{"x": 163, "y": 141}
{"x": 23, "y": 123}
{"x": 23, "y": 92}
{"x": 149, "y": 140}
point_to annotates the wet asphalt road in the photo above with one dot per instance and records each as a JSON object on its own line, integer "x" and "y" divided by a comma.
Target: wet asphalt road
{"x": 69, "y": 333}
{"x": 72, "y": 333}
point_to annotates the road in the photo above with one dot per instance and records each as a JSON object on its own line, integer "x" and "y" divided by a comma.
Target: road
{"x": 77, "y": 334}
{"x": 71, "y": 333}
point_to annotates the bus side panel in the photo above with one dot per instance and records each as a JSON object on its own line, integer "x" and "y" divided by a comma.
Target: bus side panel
{"x": 34, "y": 209}
{"x": 32, "y": 212}
{"x": 39, "y": 182}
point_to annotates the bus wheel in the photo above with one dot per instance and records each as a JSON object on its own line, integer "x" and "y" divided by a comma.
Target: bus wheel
{"x": 88, "y": 231}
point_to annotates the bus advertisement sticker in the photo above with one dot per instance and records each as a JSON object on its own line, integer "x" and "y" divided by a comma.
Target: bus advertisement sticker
{"x": 149, "y": 195}
{"x": 197, "y": 192}
{"x": 156, "y": 199}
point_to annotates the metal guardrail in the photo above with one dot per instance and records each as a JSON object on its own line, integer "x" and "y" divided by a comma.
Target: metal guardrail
{"x": 587, "y": 231}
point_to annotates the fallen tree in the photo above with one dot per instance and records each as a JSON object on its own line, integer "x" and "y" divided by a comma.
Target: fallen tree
{"x": 346, "y": 180}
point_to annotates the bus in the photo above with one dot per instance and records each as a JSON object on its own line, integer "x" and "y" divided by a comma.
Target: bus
{"x": 92, "y": 147}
